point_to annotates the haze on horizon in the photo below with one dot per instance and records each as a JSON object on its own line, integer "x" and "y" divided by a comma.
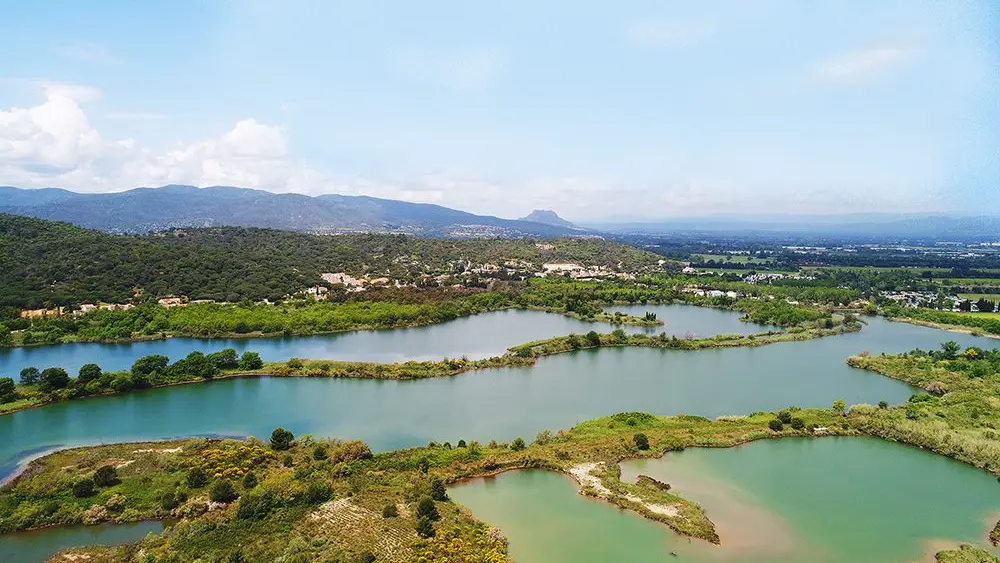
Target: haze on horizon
{"x": 647, "y": 111}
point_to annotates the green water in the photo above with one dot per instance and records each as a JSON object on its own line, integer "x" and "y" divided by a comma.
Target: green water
{"x": 35, "y": 546}
{"x": 830, "y": 500}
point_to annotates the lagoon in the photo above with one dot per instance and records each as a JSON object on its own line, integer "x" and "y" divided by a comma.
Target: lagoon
{"x": 827, "y": 500}
{"x": 557, "y": 392}
{"x": 39, "y": 545}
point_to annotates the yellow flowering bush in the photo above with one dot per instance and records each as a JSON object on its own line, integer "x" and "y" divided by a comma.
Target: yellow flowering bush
{"x": 464, "y": 544}
{"x": 233, "y": 461}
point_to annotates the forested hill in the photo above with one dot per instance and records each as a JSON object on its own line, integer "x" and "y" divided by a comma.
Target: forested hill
{"x": 153, "y": 209}
{"x": 44, "y": 261}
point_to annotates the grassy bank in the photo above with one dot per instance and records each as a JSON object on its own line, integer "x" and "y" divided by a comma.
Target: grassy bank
{"x": 299, "y": 499}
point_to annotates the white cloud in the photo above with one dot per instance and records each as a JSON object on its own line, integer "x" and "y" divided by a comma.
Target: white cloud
{"x": 86, "y": 52}
{"x": 662, "y": 33}
{"x": 470, "y": 70}
{"x": 864, "y": 63}
{"x": 136, "y": 116}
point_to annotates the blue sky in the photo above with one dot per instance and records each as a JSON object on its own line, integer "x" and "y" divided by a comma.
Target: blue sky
{"x": 618, "y": 110}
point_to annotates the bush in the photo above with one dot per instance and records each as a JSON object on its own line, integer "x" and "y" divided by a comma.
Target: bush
{"x": 106, "y": 476}
{"x": 287, "y": 461}
{"x": 785, "y": 417}
{"x": 641, "y": 441}
{"x": 461, "y": 444}
{"x": 425, "y": 528}
{"x": 254, "y": 507}
{"x": 8, "y": 392}
{"x": 169, "y": 501}
{"x": 366, "y": 557}
{"x": 593, "y": 338}
{"x": 390, "y": 511}
{"x": 294, "y": 363}
{"x": 249, "y": 481}
{"x": 281, "y": 439}
{"x": 427, "y": 509}
{"x": 53, "y": 378}
{"x": 883, "y": 405}
{"x": 776, "y": 425}
{"x": 83, "y": 488}
{"x": 89, "y": 372}
{"x": 518, "y": 444}
{"x": 196, "y": 478}
{"x": 318, "y": 493}
{"x": 319, "y": 452}
{"x": 222, "y": 491}
{"x": 798, "y": 423}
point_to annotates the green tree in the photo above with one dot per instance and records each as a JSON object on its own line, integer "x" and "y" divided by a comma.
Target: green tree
{"x": 319, "y": 452}
{"x": 53, "y": 378}
{"x": 390, "y": 511}
{"x": 106, "y": 476}
{"x": 518, "y": 444}
{"x": 438, "y": 492}
{"x": 225, "y": 359}
{"x": 839, "y": 405}
{"x": 89, "y": 372}
{"x": 641, "y": 441}
{"x": 427, "y": 509}
{"x": 6, "y": 340}
{"x": 196, "y": 478}
{"x": 281, "y": 439}
{"x": 150, "y": 366}
{"x": 593, "y": 338}
{"x": 8, "y": 391}
{"x": 775, "y": 425}
{"x": 83, "y": 488}
{"x": 294, "y": 363}
{"x": 949, "y": 350}
{"x": 250, "y": 360}
{"x": 785, "y": 417}
{"x": 168, "y": 501}
{"x": 30, "y": 376}
{"x": 883, "y": 405}
{"x": 425, "y": 528}
{"x": 223, "y": 491}
{"x": 798, "y": 423}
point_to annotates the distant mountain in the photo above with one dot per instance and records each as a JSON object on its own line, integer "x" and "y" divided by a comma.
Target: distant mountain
{"x": 548, "y": 217}
{"x": 152, "y": 209}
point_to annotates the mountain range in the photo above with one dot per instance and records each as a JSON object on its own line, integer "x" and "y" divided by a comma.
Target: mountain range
{"x": 152, "y": 209}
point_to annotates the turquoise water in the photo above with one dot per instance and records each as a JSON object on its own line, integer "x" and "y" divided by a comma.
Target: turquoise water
{"x": 829, "y": 500}
{"x": 38, "y": 545}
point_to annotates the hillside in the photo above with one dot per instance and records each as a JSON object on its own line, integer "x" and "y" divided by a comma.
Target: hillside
{"x": 548, "y": 217}
{"x": 151, "y": 209}
{"x": 48, "y": 261}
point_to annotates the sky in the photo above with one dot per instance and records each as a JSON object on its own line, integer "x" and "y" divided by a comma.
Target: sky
{"x": 599, "y": 111}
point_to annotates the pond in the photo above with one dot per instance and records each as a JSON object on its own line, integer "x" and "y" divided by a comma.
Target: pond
{"x": 39, "y": 545}
{"x": 828, "y": 500}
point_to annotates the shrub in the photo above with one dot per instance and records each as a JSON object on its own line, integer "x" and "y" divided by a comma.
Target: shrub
{"x": 83, "y": 488}
{"x": 518, "y": 444}
{"x": 89, "y": 372}
{"x": 785, "y": 417}
{"x": 8, "y": 392}
{"x": 427, "y": 509}
{"x": 425, "y": 528}
{"x": 294, "y": 363}
{"x": 106, "y": 476}
{"x": 461, "y": 444}
{"x": 319, "y": 452}
{"x": 281, "y": 439}
{"x": 254, "y": 507}
{"x": 366, "y": 557}
{"x": 317, "y": 493}
{"x": 776, "y": 425}
{"x": 287, "y": 461}
{"x": 390, "y": 511}
{"x": 593, "y": 338}
{"x": 250, "y": 360}
{"x": 641, "y": 441}
{"x": 798, "y": 423}
{"x": 883, "y": 405}
{"x": 196, "y": 478}
{"x": 169, "y": 501}
{"x": 249, "y": 481}
{"x": 222, "y": 491}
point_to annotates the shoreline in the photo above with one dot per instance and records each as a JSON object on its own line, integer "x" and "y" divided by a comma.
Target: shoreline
{"x": 512, "y": 358}
{"x": 960, "y": 329}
